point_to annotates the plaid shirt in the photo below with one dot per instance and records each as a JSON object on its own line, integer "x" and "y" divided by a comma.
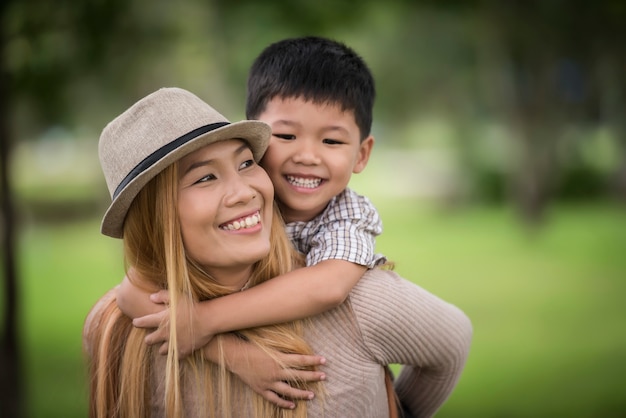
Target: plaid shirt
{"x": 346, "y": 230}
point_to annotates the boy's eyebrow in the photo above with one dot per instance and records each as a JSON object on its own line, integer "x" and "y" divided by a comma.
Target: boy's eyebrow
{"x": 335, "y": 128}
{"x": 324, "y": 129}
{"x": 285, "y": 122}
{"x": 203, "y": 163}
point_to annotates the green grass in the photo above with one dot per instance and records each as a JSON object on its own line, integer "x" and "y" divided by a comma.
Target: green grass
{"x": 65, "y": 269}
{"x": 546, "y": 305}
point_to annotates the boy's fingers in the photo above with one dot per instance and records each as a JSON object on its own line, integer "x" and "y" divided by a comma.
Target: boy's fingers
{"x": 277, "y": 400}
{"x": 156, "y": 337}
{"x": 161, "y": 297}
{"x": 304, "y": 376}
{"x": 299, "y": 360}
{"x": 286, "y": 391}
{"x": 150, "y": 321}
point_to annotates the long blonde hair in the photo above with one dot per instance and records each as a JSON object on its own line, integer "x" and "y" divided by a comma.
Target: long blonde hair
{"x": 122, "y": 364}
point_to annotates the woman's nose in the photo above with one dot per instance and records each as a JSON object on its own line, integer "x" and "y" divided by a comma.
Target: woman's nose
{"x": 239, "y": 191}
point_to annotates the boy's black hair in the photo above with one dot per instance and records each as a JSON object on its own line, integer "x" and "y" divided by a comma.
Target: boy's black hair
{"x": 315, "y": 69}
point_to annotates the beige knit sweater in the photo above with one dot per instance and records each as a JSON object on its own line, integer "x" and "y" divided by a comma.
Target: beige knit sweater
{"x": 385, "y": 320}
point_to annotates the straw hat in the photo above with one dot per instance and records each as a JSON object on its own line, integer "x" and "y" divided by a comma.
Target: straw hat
{"x": 153, "y": 133}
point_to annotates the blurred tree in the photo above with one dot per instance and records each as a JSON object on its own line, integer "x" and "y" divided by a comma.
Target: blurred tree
{"x": 45, "y": 48}
{"x": 558, "y": 65}
{"x": 10, "y": 376}
{"x": 543, "y": 69}
{"x": 10, "y": 382}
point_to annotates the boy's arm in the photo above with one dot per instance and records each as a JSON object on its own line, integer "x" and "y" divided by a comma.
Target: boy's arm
{"x": 265, "y": 375}
{"x": 253, "y": 366}
{"x": 295, "y": 295}
{"x": 133, "y": 298}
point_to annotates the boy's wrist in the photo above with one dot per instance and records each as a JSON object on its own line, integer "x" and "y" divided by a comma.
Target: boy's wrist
{"x": 232, "y": 356}
{"x": 206, "y": 320}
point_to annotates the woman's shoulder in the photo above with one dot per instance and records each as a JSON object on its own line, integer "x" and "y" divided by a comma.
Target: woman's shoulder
{"x": 380, "y": 278}
{"x": 379, "y": 289}
{"x": 383, "y": 298}
{"x": 92, "y": 319}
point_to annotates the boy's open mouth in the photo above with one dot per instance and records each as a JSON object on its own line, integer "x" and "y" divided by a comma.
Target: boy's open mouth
{"x": 307, "y": 183}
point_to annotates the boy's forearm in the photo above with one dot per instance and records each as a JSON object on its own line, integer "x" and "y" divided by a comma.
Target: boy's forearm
{"x": 231, "y": 347}
{"x": 134, "y": 301}
{"x": 301, "y": 293}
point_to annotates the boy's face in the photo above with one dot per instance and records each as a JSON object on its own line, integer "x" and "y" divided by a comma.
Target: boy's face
{"x": 313, "y": 151}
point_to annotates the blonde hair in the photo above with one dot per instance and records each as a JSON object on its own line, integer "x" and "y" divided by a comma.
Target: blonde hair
{"x": 122, "y": 364}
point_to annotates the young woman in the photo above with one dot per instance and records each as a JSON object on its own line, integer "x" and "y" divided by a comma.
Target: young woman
{"x": 179, "y": 180}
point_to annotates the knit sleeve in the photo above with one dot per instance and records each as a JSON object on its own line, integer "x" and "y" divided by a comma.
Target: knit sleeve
{"x": 402, "y": 323}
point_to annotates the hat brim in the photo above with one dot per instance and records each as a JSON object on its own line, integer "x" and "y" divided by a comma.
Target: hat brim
{"x": 255, "y": 133}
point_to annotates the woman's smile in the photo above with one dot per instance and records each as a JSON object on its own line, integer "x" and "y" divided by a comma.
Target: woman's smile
{"x": 248, "y": 222}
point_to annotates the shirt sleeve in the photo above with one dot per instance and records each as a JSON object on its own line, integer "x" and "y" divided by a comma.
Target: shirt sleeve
{"x": 402, "y": 323}
{"x": 347, "y": 231}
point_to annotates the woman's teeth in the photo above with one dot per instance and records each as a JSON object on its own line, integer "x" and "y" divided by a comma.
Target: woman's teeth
{"x": 243, "y": 223}
{"x": 302, "y": 182}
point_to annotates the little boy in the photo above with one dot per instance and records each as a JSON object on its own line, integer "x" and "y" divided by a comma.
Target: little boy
{"x": 317, "y": 95}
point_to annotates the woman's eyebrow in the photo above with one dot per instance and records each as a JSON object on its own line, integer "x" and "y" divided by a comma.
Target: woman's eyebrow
{"x": 203, "y": 163}
{"x": 242, "y": 148}
{"x": 197, "y": 164}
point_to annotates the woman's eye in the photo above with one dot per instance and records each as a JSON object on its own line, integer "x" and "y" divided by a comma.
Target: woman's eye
{"x": 288, "y": 137}
{"x": 206, "y": 178}
{"x": 246, "y": 164}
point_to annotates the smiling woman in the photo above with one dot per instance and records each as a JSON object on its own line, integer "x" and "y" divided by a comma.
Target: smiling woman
{"x": 178, "y": 173}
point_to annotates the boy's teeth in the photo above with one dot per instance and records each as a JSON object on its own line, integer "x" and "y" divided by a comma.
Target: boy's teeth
{"x": 302, "y": 182}
{"x": 243, "y": 223}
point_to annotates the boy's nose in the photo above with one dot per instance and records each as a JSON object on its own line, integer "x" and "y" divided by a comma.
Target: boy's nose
{"x": 307, "y": 154}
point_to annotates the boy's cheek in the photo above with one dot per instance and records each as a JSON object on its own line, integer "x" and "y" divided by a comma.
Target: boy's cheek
{"x": 269, "y": 161}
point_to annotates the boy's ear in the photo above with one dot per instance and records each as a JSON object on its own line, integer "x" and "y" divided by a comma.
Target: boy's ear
{"x": 365, "y": 150}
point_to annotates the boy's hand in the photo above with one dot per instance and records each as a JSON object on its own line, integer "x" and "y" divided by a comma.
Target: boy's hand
{"x": 133, "y": 297}
{"x": 189, "y": 332}
{"x": 266, "y": 377}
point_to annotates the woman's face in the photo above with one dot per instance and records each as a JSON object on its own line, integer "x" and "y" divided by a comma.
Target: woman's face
{"x": 225, "y": 205}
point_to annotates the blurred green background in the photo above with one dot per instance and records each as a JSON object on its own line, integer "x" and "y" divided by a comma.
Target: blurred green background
{"x": 499, "y": 171}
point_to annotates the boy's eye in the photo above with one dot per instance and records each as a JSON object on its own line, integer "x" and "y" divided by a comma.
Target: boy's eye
{"x": 332, "y": 141}
{"x": 288, "y": 137}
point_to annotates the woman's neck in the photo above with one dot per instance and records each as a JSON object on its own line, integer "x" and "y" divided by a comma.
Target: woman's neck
{"x": 234, "y": 278}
